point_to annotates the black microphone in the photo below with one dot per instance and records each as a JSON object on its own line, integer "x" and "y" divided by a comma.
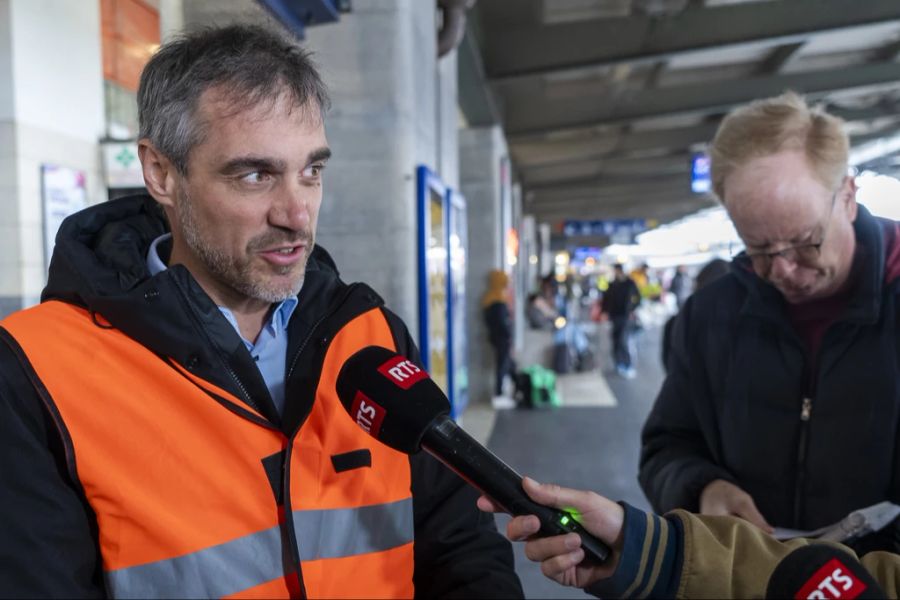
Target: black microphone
{"x": 820, "y": 571}
{"x": 398, "y": 404}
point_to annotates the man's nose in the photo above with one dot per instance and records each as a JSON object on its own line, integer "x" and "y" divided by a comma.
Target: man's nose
{"x": 782, "y": 268}
{"x": 291, "y": 208}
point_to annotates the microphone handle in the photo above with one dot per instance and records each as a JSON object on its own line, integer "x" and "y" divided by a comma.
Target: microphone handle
{"x": 450, "y": 444}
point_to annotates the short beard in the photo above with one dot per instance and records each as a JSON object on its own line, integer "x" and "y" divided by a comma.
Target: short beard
{"x": 235, "y": 274}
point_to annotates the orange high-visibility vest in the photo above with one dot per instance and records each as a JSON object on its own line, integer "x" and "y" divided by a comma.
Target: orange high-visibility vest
{"x": 176, "y": 479}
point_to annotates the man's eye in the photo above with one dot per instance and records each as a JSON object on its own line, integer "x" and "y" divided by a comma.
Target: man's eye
{"x": 255, "y": 177}
{"x": 314, "y": 170}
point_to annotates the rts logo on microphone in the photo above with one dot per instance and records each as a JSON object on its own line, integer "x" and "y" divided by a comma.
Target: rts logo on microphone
{"x": 402, "y": 372}
{"x": 367, "y": 414}
{"x": 833, "y": 580}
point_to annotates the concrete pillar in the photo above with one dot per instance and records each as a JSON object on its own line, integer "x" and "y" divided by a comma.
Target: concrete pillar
{"x": 50, "y": 114}
{"x": 481, "y": 152}
{"x": 394, "y": 107}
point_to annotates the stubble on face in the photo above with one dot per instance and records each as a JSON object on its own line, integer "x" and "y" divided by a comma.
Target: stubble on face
{"x": 238, "y": 273}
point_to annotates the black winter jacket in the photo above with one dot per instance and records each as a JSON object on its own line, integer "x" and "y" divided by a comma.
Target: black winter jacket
{"x": 621, "y": 298}
{"x": 732, "y": 405}
{"x": 48, "y": 544}
{"x": 499, "y": 324}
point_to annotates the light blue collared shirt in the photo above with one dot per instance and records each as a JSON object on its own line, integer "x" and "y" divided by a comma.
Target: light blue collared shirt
{"x": 270, "y": 349}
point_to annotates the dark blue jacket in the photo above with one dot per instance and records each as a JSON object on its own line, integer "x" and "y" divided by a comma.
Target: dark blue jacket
{"x": 730, "y": 407}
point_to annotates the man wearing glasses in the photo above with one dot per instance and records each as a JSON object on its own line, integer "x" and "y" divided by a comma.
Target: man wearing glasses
{"x": 783, "y": 400}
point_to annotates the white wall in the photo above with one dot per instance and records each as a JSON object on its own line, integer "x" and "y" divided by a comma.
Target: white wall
{"x": 51, "y": 112}
{"x": 57, "y": 66}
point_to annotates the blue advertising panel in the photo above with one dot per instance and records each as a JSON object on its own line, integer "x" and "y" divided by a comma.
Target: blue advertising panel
{"x": 433, "y": 266}
{"x": 458, "y": 371}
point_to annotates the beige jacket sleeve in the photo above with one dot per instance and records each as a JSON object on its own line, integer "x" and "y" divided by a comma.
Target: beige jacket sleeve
{"x": 725, "y": 557}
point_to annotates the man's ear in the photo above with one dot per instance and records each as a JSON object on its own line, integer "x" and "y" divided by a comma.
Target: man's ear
{"x": 160, "y": 175}
{"x": 852, "y": 208}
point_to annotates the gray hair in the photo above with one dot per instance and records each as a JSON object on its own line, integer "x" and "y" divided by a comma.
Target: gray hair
{"x": 251, "y": 64}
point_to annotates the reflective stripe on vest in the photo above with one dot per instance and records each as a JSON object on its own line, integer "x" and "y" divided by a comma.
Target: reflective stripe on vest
{"x": 251, "y": 560}
{"x": 183, "y": 503}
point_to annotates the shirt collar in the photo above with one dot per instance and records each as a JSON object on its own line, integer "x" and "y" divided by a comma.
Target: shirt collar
{"x": 154, "y": 263}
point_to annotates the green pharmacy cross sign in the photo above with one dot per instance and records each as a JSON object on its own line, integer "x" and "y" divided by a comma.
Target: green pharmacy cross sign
{"x": 125, "y": 157}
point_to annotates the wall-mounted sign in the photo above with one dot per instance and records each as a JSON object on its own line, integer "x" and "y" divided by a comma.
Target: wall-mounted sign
{"x": 63, "y": 192}
{"x": 121, "y": 165}
{"x": 608, "y": 227}
{"x": 700, "y": 180}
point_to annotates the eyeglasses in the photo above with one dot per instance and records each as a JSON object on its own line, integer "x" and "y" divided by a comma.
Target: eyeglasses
{"x": 799, "y": 254}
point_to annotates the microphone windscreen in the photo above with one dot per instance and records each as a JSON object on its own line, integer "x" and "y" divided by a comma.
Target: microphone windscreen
{"x": 821, "y": 571}
{"x": 390, "y": 397}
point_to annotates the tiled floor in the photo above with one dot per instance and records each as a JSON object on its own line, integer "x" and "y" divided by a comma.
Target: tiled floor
{"x": 591, "y": 442}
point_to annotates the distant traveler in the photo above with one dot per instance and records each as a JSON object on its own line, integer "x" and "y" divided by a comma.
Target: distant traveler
{"x": 619, "y": 302}
{"x": 680, "y": 286}
{"x": 498, "y": 320}
{"x": 782, "y": 403}
{"x": 709, "y": 273}
{"x": 169, "y": 416}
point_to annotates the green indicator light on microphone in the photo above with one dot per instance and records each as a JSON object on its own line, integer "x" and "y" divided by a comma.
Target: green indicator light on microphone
{"x": 564, "y": 520}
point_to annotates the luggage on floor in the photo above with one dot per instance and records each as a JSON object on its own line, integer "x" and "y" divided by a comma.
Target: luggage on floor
{"x": 536, "y": 387}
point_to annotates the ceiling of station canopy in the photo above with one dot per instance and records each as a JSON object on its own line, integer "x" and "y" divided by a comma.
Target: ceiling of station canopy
{"x": 605, "y": 101}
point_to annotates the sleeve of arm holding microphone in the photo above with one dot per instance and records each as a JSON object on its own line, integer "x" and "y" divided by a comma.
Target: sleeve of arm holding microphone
{"x": 676, "y": 463}
{"x": 458, "y": 551}
{"x": 682, "y": 555}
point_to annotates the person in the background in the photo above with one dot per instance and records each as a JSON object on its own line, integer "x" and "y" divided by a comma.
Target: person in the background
{"x": 498, "y": 319}
{"x": 540, "y": 313}
{"x": 647, "y": 282}
{"x": 620, "y": 300}
{"x": 782, "y": 401}
{"x": 679, "y": 555}
{"x": 709, "y": 273}
{"x": 680, "y": 286}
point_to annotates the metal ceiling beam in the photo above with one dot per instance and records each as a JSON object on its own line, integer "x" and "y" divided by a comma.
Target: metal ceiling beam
{"x": 628, "y": 143}
{"x": 574, "y": 208}
{"x": 680, "y": 140}
{"x": 890, "y": 52}
{"x": 664, "y": 212}
{"x": 779, "y": 58}
{"x": 545, "y": 115}
{"x": 600, "y": 189}
{"x": 599, "y": 168}
{"x": 572, "y": 47}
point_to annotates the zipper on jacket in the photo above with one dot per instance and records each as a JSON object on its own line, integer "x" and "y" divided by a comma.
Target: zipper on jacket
{"x": 244, "y": 391}
{"x": 805, "y": 414}
{"x": 234, "y": 376}
{"x": 286, "y": 493}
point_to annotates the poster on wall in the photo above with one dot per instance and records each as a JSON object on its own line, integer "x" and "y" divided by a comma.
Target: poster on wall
{"x": 433, "y": 276}
{"x": 458, "y": 371}
{"x": 63, "y": 192}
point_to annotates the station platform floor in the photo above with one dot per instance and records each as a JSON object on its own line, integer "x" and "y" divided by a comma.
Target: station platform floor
{"x": 591, "y": 441}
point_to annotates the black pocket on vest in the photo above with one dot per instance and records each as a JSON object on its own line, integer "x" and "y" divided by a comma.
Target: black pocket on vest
{"x": 352, "y": 460}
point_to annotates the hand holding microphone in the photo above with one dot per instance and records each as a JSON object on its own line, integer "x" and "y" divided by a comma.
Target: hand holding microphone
{"x": 561, "y": 557}
{"x": 399, "y": 405}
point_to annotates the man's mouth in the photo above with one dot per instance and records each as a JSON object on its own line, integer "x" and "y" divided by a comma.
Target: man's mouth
{"x": 283, "y": 255}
